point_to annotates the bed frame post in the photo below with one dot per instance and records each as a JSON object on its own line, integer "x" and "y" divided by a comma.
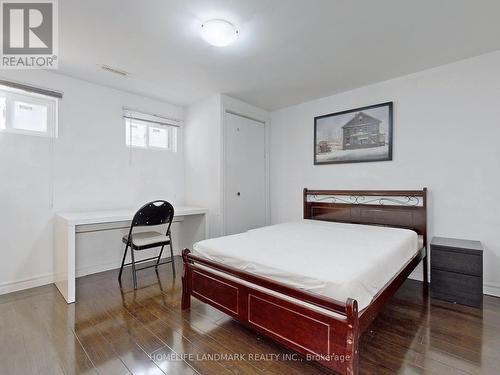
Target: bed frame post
{"x": 186, "y": 281}
{"x": 352, "y": 341}
{"x": 426, "y": 258}
{"x": 426, "y": 268}
{"x": 304, "y": 203}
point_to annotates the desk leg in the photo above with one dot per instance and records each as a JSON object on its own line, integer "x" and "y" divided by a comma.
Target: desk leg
{"x": 193, "y": 228}
{"x": 64, "y": 258}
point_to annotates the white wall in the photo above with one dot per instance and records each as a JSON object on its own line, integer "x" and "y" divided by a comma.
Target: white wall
{"x": 204, "y": 153}
{"x": 203, "y": 150}
{"x": 91, "y": 168}
{"x": 446, "y": 137}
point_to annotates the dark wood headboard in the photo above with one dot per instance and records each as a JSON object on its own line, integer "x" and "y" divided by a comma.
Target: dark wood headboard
{"x": 395, "y": 208}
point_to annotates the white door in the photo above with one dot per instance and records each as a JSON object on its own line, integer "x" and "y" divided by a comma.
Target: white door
{"x": 245, "y": 174}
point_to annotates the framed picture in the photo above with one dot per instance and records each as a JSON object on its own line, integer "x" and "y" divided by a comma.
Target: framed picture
{"x": 354, "y": 136}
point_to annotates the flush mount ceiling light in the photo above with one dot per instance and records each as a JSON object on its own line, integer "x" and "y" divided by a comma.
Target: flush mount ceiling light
{"x": 219, "y": 33}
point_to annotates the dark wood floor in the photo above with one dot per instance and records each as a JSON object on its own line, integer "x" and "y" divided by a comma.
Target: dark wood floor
{"x": 113, "y": 331}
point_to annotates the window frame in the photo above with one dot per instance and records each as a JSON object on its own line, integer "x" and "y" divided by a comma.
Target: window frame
{"x": 172, "y": 135}
{"x": 12, "y": 95}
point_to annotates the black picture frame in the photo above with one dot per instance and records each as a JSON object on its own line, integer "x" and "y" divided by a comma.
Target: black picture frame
{"x": 363, "y": 149}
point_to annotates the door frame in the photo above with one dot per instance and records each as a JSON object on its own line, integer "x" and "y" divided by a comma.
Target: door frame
{"x": 237, "y": 108}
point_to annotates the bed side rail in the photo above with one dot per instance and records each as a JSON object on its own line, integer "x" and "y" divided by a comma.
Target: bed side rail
{"x": 304, "y": 296}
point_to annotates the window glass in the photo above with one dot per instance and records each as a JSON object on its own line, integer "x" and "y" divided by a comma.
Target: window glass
{"x": 158, "y": 137}
{"x": 135, "y": 133}
{"x": 29, "y": 116}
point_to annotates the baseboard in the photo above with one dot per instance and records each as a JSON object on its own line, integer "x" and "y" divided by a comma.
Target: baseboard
{"x": 491, "y": 289}
{"x": 84, "y": 271}
{"x": 27, "y": 283}
{"x": 50, "y": 278}
{"x": 96, "y": 268}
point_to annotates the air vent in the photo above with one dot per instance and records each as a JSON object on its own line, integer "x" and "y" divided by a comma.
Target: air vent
{"x": 110, "y": 69}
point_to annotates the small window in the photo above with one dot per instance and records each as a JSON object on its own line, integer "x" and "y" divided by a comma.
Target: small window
{"x": 141, "y": 133}
{"x": 27, "y": 113}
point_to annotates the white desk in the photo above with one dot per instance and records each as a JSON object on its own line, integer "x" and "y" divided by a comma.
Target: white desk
{"x": 65, "y": 228}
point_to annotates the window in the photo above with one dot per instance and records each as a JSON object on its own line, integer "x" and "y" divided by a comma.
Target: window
{"x": 150, "y": 132}
{"x": 27, "y": 113}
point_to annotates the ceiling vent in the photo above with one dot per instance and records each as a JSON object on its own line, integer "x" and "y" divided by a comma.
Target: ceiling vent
{"x": 110, "y": 69}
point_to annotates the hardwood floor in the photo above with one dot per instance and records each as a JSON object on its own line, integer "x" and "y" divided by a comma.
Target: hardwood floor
{"x": 119, "y": 331}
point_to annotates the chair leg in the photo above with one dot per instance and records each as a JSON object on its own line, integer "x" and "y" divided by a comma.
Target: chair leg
{"x": 123, "y": 262}
{"x": 134, "y": 276}
{"x": 172, "y": 258}
{"x": 159, "y": 257}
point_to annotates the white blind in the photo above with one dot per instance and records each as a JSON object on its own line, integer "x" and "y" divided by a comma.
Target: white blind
{"x": 149, "y": 117}
{"x": 31, "y": 88}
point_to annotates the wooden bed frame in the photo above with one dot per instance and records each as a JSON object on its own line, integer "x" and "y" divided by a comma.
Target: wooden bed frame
{"x": 328, "y": 335}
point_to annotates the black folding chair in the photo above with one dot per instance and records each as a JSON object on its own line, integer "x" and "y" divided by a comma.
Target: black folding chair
{"x": 153, "y": 213}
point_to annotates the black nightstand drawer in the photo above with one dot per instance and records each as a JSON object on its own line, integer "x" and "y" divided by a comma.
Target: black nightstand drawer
{"x": 456, "y": 287}
{"x": 453, "y": 261}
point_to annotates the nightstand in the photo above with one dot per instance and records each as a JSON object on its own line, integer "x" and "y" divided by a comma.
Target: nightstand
{"x": 457, "y": 271}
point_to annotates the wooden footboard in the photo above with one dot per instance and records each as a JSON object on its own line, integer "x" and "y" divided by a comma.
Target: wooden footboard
{"x": 328, "y": 336}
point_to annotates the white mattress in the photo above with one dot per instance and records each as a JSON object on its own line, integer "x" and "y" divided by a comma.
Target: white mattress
{"x": 336, "y": 260}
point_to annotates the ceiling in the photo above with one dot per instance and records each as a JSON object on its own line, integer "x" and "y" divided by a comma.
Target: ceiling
{"x": 288, "y": 52}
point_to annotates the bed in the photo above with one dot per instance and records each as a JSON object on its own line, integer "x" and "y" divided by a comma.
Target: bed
{"x": 315, "y": 285}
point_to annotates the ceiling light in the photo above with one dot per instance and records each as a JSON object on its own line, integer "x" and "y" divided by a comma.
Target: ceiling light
{"x": 219, "y": 33}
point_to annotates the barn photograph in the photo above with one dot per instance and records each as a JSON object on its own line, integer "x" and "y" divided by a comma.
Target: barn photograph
{"x": 357, "y": 135}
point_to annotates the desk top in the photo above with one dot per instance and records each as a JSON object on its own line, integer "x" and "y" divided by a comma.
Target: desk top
{"x": 107, "y": 216}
